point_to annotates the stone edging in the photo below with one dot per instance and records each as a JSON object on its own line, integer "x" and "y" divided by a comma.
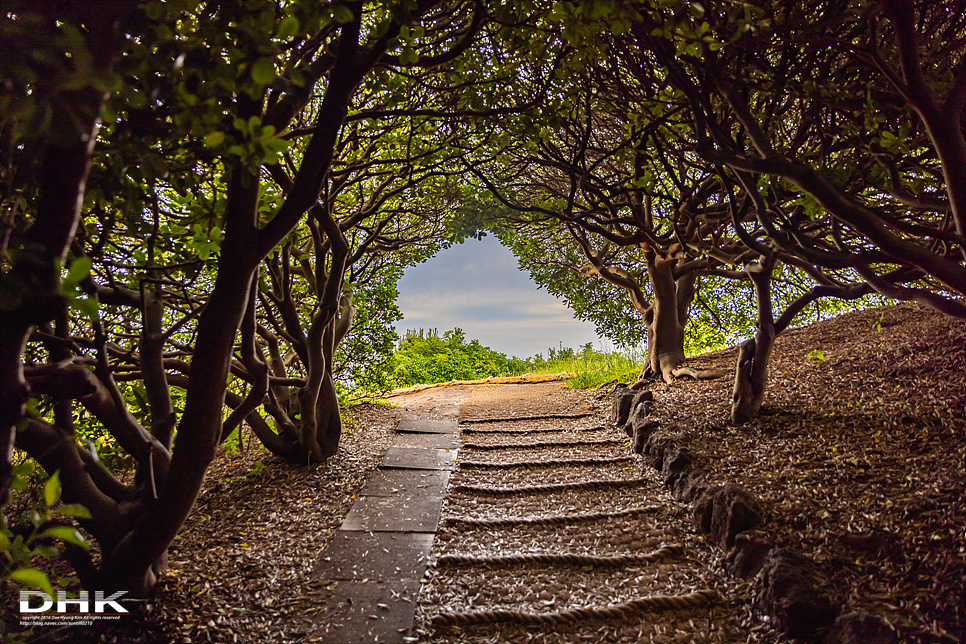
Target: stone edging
{"x": 785, "y": 587}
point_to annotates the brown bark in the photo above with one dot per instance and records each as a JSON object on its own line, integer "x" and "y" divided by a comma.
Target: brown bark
{"x": 943, "y": 121}
{"x": 56, "y": 450}
{"x": 257, "y": 370}
{"x": 152, "y": 369}
{"x": 665, "y": 316}
{"x": 754, "y": 354}
{"x": 75, "y": 382}
{"x": 290, "y": 442}
{"x": 328, "y": 418}
{"x": 327, "y": 409}
{"x": 34, "y": 278}
{"x": 665, "y": 332}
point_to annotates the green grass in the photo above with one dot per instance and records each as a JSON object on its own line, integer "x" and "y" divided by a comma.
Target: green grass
{"x": 595, "y": 368}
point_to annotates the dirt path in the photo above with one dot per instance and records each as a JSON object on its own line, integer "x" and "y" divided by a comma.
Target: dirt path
{"x": 440, "y": 403}
{"x": 859, "y": 459}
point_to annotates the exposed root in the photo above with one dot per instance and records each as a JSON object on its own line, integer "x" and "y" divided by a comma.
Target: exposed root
{"x": 706, "y": 374}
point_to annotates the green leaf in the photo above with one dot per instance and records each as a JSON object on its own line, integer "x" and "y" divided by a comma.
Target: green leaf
{"x": 557, "y": 12}
{"x": 79, "y": 269}
{"x": 287, "y": 28}
{"x": 263, "y": 71}
{"x": 408, "y": 56}
{"x": 65, "y": 533}
{"x": 214, "y": 139}
{"x": 32, "y": 577}
{"x": 75, "y": 510}
{"x": 45, "y": 551}
{"x": 86, "y": 306}
{"x": 136, "y": 99}
{"x": 277, "y": 145}
{"x": 341, "y": 14}
{"x": 25, "y": 469}
{"x": 52, "y": 489}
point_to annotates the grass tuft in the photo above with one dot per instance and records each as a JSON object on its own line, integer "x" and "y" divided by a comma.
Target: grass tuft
{"x": 595, "y": 368}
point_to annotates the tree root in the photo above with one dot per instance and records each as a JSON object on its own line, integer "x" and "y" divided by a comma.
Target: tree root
{"x": 617, "y": 611}
{"x": 550, "y": 463}
{"x": 705, "y": 374}
{"x": 567, "y": 559}
{"x": 550, "y": 487}
{"x": 679, "y": 372}
{"x": 560, "y": 519}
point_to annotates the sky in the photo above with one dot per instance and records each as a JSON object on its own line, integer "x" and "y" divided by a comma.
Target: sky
{"x": 478, "y": 287}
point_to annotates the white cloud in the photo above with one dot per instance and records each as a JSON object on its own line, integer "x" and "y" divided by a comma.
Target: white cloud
{"x": 478, "y": 287}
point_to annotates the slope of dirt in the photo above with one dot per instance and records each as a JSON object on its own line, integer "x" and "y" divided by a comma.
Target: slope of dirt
{"x": 859, "y": 456}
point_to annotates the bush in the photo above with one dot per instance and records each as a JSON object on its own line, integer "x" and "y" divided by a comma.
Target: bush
{"x": 426, "y": 358}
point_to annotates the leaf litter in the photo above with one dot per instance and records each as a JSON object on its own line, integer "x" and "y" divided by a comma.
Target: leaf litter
{"x": 859, "y": 457}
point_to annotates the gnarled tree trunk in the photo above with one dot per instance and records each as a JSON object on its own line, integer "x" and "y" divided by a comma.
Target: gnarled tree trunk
{"x": 667, "y": 317}
{"x": 754, "y": 354}
{"x": 31, "y": 286}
